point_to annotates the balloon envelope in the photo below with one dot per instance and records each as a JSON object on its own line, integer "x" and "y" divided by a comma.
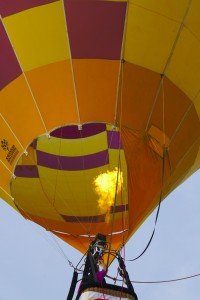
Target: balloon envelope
{"x": 90, "y": 86}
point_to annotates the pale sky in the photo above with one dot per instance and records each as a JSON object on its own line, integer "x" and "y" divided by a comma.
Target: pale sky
{"x": 32, "y": 268}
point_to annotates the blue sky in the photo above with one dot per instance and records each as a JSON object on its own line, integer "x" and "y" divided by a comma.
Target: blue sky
{"x": 32, "y": 267}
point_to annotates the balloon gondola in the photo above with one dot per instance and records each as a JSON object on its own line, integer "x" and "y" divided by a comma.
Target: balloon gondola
{"x": 99, "y": 114}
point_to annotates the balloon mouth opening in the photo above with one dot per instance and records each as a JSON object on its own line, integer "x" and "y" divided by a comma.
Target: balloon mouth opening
{"x": 83, "y": 130}
{"x": 65, "y": 165}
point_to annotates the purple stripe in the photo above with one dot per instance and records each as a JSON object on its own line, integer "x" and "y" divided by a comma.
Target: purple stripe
{"x": 95, "y": 28}
{"x": 94, "y": 219}
{"x": 9, "y": 67}
{"x": 34, "y": 144}
{"x": 89, "y": 219}
{"x": 10, "y": 7}
{"x": 72, "y": 132}
{"x": 26, "y": 171}
{"x": 74, "y": 163}
{"x": 114, "y": 141}
{"x": 119, "y": 208}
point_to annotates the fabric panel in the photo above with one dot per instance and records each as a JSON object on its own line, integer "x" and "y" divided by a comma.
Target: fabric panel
{"x": 73, "y": 132}
{"x": 72, "y": 163}
{"x": 184, "y": 68}
{"x": 95, "y": 28}
{"x": 52, "y": 86}
{"x": 96, "y": 84}
{"x": 192, "y": 20}
{"x": 79, "y": 147}
{"x": 48, "y": 42}
{"x": 8, "y": 8}
{"x": 171, "y": 10}
{"x": 18, "y": 107}
{"x": 149, "y": 38}
{"x": 9, "y": 65}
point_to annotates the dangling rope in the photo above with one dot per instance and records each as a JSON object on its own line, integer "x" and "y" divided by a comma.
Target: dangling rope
{"x": 165, "y": 153}
{"x": 158, "y": 281}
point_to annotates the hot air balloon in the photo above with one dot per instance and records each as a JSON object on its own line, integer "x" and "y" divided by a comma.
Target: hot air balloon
{"x": 96, "y": 92}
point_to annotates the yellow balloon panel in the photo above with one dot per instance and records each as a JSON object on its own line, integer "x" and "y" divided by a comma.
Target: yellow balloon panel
{"x": 39, "y": 204}
{"x": 192, "y": 21}
{"x": 72, "y": 147}
{"x": 38, "y": 35}
{"x": 149, "y": 38}
{"x": 173, "y": 10}
{"x": 195, "y": 166}
{"x": 184, "y": 68}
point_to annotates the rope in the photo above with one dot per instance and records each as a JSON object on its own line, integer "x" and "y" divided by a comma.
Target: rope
{"x": 11, "y": 198}
{"x": 121, "y": 71}
{"x": 9, "y": 171}
{"x": 157, "y": 281}
{"x": 61, "y": 251}
{"x": 154, "y": 102}
{"x": 161, "y": 88}
{"x": 81, "y": 259}
{"x": 123, "y": 280}
{"x": 185, "y": 115}
{"x": 168, "y": 61}
{"x": 71, "y": 62}
{"x": 177, "y": 37}
{"x": 158, "y": 210}
{"x": 114, "y": 206}
{"x": 119, "y": 99}
{"x": 59, "y": 248}
{"x": 9, "y": 127}
{"x": 125, "y": 216}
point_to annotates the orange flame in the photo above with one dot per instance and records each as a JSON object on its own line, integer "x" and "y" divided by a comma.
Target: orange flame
{"x": 106, "y": 186}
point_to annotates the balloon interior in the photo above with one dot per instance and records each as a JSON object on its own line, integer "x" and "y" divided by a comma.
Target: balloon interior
{"x": 99, "y": 115}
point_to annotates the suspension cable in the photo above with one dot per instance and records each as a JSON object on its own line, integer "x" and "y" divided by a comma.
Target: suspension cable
{"x": 157, "y": 281}
{"x": 56, "y": 243}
